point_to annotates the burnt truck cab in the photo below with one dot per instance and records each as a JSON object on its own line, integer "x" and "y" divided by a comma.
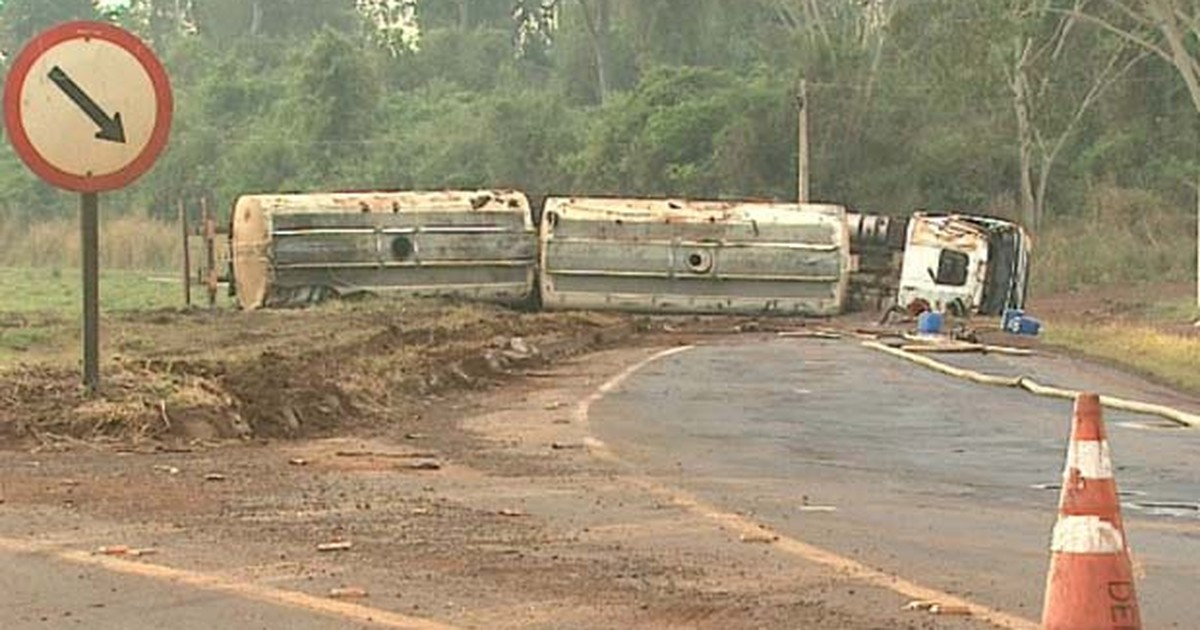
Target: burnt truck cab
{"x": 964, "y": 265}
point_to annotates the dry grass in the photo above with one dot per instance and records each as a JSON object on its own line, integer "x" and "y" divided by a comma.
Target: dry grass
{"x": 131, "y": 241}
{"x": 1124, "y": 237}
{"x": 1171, "y": 357}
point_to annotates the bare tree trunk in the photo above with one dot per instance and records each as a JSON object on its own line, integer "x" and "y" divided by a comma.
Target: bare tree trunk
{"x": 1019, "y": 83}
{"x": 256, "y": 17}
{"x": 1168, "y": 23}
{"x": 876, "y": 33}
{"x": 598, "y": 30}
{"x": 1033, "y": 138}
{"x": 464, "y": 15}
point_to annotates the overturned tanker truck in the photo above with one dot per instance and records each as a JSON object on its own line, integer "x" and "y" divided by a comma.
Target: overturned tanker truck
{"x": 637, "y": 255}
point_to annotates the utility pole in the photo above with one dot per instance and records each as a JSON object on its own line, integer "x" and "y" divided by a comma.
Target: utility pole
{"x": 802, "y": 170}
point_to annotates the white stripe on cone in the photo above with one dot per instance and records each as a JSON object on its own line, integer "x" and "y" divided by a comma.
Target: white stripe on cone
{"x": 1091, "y": 459}
{"x": 1086, "y": 534}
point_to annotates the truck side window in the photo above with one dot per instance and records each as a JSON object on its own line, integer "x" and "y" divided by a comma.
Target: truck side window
{"x": 952, "y": 268}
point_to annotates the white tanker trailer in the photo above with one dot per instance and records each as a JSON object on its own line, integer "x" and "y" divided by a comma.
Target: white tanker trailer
{"x": 638, "y": 255}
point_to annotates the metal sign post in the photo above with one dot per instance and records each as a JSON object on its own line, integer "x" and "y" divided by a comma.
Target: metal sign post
{"x": 89, "y": 221}
{"x": 88, "y": 108}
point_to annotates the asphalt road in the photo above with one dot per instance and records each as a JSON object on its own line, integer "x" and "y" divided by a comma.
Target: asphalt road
{"x": 933, "y": 478}
{"x": 40, "y": 592}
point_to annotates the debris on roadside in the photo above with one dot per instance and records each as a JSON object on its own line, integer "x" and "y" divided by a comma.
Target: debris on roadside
{"x": 958, "y": 346}
{"x": 817, "y": 508}
{"x": 298, "y": 461}
{"x": 950, "y": 610}
{"x": 170, "y": 470}
{"x": 348, "y": 593}
{"x": 517, "y": 349}
{"x": 748, "y": 327}
{"x": 428, "y": 464}
{"x": 938, "y": 608}
{"x": 385, "y": 455}
{"x": 123, "y": 551}
{"x": 215, "y": 477}
{"x": 511, "y": 513}
{"x": 759, "y": 539}
{"x": 415, "y": 436}
{"x": 340, "y": 545}
{"x": 554, "y": 406}
{"x": 420, "y": 511}
{"x": 564, "y": 446}
{"x": 809, "y": 334}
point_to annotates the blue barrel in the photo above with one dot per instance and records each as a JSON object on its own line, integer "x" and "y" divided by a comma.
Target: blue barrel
{"x": 1030, "y": 326}
{"x": 930, "y": 323}
{"x": 1010, "y": 321}
{"x": 1016, "y": 322}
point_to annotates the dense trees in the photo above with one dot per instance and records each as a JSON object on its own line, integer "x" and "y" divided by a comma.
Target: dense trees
{"x": 1018, "y": 107}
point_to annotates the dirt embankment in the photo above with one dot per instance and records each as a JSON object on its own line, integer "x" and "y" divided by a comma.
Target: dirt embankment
{"x": 210, "y": 376}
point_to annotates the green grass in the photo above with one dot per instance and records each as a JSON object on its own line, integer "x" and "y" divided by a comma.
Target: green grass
{"x": 40, "y": 309}
{"x": 61, "y": 291}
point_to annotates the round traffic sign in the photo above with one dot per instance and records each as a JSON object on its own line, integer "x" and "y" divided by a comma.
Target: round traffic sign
{"x": 88, "y": 107}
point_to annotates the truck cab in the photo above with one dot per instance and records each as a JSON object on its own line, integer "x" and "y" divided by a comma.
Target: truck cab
{"x": 964, "y": 265}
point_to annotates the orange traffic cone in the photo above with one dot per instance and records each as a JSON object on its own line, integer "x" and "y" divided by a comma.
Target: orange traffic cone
{"x": 1090, "y": 584}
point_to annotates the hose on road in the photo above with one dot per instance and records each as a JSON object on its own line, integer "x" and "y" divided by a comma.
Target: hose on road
{"x": 1181, "y": 418}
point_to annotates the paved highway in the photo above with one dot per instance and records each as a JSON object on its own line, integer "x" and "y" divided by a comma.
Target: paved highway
{"x": 38, "y": 591}
{"x": 941, "y": 481}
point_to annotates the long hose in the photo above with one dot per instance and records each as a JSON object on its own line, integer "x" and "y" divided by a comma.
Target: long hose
{"x": 1181, "y": 418}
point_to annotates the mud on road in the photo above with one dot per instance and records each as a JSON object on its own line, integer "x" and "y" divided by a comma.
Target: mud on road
{"x": 441, "y": 443}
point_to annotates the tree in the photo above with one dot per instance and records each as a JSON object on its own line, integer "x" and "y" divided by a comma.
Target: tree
{"x": 21, "y": 20}
{"x": 228, "y": 20}
{"x": 160, "y": 21}
{"x": 1167, "y": 28}
{"x": 337, "y": 96}
{"x": 392, "y": 23}
{"x": 597, "y": 19}
{"x": 1040, "y": 59}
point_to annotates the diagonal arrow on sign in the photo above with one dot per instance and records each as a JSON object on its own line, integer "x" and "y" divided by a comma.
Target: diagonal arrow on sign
{"x": 111, "y": 127}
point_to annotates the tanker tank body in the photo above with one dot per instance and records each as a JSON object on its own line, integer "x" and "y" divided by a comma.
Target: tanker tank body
{"x": 694, "y": 257}
{"x": 291, "y": 250}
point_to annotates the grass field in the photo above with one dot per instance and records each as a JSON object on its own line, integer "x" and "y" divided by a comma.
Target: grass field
{"x": 61, "y": 291}
{"x": 40, "y": 308}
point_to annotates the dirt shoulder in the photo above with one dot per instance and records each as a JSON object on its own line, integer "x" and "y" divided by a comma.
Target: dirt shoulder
{"x": 180, "y": 378}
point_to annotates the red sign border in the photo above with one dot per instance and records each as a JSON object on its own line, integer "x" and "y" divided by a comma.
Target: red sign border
{"x": 15, "y": 84}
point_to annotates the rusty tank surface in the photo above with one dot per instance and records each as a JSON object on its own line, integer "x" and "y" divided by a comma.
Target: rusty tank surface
{"x": 299, "y": 249}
